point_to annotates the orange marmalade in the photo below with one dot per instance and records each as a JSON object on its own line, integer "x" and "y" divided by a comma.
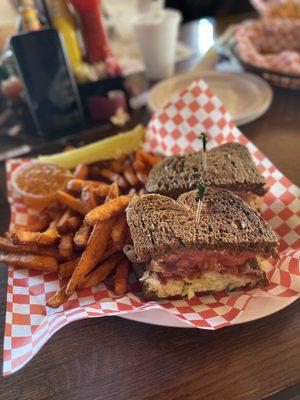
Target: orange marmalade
{"x": 38, "y": 183}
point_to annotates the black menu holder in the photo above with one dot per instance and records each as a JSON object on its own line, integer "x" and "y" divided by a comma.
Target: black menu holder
{"x": 49, "y": 85}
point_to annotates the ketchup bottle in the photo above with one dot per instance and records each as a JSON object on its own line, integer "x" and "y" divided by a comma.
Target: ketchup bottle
{"x": 93, "y": 29}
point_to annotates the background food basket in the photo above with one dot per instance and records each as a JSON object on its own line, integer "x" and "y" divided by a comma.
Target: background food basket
{"x": 271, "y": 49}
{"x": 277, "y": 8}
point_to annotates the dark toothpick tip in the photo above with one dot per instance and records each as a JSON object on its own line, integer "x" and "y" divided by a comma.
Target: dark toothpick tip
{"x": 204, "y": 140}
{"x": 201, "y": 191}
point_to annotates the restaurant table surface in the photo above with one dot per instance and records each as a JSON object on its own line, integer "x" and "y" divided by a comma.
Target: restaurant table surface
{"x": 112, "y": 358}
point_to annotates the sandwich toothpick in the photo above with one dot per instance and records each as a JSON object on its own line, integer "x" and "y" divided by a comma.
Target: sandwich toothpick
{"x": 200, "y": 194}
{"x": 204, "y": 141}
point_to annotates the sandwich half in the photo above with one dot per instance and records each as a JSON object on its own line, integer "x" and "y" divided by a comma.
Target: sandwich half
{"x": 229, "y": 166}
{"x": 176, "y": 257}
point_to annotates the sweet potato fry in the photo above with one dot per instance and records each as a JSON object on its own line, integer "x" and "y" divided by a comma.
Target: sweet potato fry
{"x": 66, "y": 269}
{"x": 82, "y": 236}
{"x": 113, "y": 177}
{"x": 58, "y": 299}
{"x": 40, "y": 224}
{"x": 132, "y": 191}
{"x": 19, "y": 236}
{"x": 130, "y": 176}
{"x": 138, "y": 161}
{"x": 81, "y": 171}
{"x": 93, "y": 252}
{"x": 30, "y": 261}
{"x": 119, "y": 231}
{"x": 121, "y": 277}
{"x": 147, "y": 158}
{"x": 49, "y": 236}
{"x": 138, "y": 165}
{"x": 88, "y": 198}
{"x": 108, "y": 210}
{"x": 55, "y": 210}
{"x": 142, "y": 177}
{"x": 76, "y": 185}
{"x": 8, "y": 247}
{"x": 111, "y": 249}
{"x": 113, "y": 193}
{"x": 102, "y": 191}
{"x": 62, "y": 225}
{"x": 65, "y": 246}
{"x": 101, "y": 272}
{"x": 74, "y": 223}
{"x": 117, "y": 166}
{"x": 70, "y": 201}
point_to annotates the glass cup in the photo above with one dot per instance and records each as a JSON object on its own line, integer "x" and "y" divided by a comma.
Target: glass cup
{"x": 156, "y": 36}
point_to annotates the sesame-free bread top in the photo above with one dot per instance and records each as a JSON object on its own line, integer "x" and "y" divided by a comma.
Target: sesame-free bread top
{"x": 229, "y": 166}
{"x": 160, "y": 225}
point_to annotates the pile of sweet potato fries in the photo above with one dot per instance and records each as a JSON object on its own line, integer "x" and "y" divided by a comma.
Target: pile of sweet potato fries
{"x": 82, "y": 234}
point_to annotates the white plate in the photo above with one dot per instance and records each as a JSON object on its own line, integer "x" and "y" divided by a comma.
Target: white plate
{"x": 246, "y": 96}
{"x": 267, "y": 306}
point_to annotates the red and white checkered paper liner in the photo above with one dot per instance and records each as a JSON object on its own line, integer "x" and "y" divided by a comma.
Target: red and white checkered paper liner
{"x": 278, "y": 38}
{"x": 29, "y": 323}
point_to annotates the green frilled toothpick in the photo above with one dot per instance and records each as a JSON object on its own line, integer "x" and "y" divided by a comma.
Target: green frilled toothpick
{"x": 200, "y": 194}
{"x": 204, "y": 142}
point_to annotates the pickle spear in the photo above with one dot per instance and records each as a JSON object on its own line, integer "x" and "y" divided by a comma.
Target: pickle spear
{"x": 112, "y": 147}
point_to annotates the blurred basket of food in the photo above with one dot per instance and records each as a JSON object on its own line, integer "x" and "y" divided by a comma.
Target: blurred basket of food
{"x": 278, "y": 8}
{"x": 270, "y": 48}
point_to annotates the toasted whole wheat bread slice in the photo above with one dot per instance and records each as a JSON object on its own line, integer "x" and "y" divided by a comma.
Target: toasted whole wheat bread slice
{"x": 229, "y": 166}
{"x": 160, "y": 225}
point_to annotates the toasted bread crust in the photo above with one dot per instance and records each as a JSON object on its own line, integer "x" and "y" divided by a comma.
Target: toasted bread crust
{"x": 160, "y": 225}
{"x": 229, "y": 166}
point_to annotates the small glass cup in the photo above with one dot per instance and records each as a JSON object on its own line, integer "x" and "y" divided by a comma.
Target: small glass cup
{"x": 157, "y": 39}
{"x": 37, "y": 183}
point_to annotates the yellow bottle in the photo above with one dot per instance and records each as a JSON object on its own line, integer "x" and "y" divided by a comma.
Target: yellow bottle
{"x": 63, "y": 21}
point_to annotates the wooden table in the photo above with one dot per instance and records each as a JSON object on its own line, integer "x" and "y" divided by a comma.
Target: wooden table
{"x": 112, "y": 358}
